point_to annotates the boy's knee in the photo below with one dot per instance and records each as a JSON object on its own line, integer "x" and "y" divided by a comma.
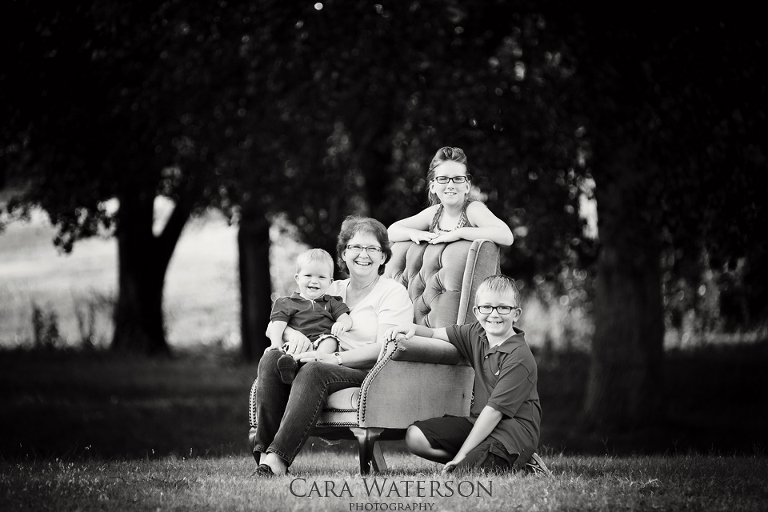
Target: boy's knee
{"x": 415, "y": 440}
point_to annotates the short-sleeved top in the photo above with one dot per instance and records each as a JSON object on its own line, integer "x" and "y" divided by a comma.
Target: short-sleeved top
{"x": 388, "y": 303}
{"x": 311, "y": 318}
{"x": 506, "y": 379}
{"x": 434, "y": 227}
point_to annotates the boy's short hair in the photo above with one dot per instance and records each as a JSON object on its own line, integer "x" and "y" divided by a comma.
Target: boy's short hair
{"x": 501, "y": 284}
{"x": 311, "y": 255}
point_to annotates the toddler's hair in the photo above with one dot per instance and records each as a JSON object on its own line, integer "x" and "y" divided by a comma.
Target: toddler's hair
{"x": 311, "y": 255}
{"x": 500, "y": 284}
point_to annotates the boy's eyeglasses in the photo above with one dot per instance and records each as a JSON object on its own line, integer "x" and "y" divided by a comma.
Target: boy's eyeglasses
{"x": 456, "y": 179}
{"x": 502, "y": 310}
{"x": 372, "y": 250}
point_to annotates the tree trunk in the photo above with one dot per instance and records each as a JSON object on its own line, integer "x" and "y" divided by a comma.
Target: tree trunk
{"x": 142, "y": 263}
{"x": 625, "y": 380}
{"x": 255, "y": 284}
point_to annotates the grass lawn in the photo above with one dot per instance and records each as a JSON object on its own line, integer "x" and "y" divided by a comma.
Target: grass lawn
{"x": 327, "y": 482}
{"x": 99, "y": 431}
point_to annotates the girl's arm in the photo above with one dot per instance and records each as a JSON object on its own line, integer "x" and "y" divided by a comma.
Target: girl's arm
{"x": 413, "y": 228}
{"x": 489, "y": 226}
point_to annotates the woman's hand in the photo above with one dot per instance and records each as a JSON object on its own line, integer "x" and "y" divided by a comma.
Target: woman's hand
{"x": 295, "y": 342}
{"x": 306, "y": 357}
{"x": 421, "y": 236}
{"x": 401, "y": 332}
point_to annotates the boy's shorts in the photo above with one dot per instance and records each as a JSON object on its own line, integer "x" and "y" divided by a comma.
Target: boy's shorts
{"x": 449, "y": 433}
{"x": 324, "y": 337}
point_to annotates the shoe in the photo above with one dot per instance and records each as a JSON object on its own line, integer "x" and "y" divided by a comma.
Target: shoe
{"x": 536, "y": 466}
{"x": 287, "y": 367}
{"x": 263, "y": 471}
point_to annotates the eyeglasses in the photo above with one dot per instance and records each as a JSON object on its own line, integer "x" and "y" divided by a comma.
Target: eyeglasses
{"x": 372, "y": 250}
{"x": 456, "y": 179}
{"x": 502, "y": 310}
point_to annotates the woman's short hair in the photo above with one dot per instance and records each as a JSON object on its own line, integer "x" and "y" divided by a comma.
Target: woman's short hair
{"x": 353, "y": 225}
{"x": 443, "y": 155}
{"x": 311, "y": 255}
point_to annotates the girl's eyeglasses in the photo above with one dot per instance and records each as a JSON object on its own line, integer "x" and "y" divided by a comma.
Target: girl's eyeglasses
{"x": 502, "y": 310}
{"x": 357, "y": 249}
{"x": 456, "y": 179}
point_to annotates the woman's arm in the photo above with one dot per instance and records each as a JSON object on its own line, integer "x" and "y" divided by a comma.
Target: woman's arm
{"x": 297, "y": 342}
{"x": 488, "y": 227}
{"x": 413, "y": 228}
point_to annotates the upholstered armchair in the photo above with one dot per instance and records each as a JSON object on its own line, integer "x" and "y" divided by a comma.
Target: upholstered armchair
{"x": 418, "y": 378}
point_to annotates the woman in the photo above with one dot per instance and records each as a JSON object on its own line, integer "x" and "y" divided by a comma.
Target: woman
{"x": 286, "y": 413}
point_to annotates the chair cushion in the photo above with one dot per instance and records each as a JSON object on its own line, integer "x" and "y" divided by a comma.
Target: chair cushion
{"x": 340, "y": 409}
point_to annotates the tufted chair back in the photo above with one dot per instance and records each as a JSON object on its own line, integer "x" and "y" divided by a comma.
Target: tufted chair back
{"x": 442, "y": 278}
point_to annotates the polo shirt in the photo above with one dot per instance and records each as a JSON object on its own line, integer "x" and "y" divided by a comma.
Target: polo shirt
{"x": 505, "y": 379}
{"x": 310, "y": 317}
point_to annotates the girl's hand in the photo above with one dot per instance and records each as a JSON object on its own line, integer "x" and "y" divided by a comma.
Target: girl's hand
{"x": 446, "y": 238}
{"x": 401, "y": 332}
{"x": 422, "y": 236}
{"x": 338, "y": 329}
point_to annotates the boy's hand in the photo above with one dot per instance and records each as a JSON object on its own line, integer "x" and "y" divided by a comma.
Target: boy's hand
{"x": 422, "y": 236}
{"x": 338, "y": 328}
{"x": 401, "y": 332}
{"x": 451, "y": 465}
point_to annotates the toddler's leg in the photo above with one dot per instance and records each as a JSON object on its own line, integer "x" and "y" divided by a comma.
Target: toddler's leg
{"x": 328, "y": 345}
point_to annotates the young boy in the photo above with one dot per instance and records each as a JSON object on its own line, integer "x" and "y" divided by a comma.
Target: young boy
{"x": 318, "y": 316}
{"x": 502, "y": 431}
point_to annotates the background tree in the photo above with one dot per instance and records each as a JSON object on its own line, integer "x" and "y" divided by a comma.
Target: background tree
{"x": 126, "y": 102}
{"x": 674, "y": 121}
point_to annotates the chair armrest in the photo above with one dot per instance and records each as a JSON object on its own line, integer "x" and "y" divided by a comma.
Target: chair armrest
{"x": 398, "y": 392}
{"x": 424, "y": 350}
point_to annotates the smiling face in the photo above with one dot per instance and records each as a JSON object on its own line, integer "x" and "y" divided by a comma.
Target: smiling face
{"x": 364, "y": 263}
{"x": 498, "y": 327}
{"x": 314, "y": 278}
{"x": 450, "y": 193}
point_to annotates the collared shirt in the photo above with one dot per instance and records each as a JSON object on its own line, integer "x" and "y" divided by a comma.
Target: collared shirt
{"x": 310, "y": 317}
{"x": 505, "y": 379}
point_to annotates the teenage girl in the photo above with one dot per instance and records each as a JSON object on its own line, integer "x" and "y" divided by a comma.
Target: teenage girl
{"x": 452, "y": 215}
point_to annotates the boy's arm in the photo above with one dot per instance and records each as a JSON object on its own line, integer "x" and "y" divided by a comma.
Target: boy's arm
{"x": 409, "y": 331}
{"x": 342, "y": 325}
{"x": 484, "y": 425}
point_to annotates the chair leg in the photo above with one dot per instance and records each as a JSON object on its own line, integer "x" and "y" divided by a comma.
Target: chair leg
{"x": 371, "y": 456}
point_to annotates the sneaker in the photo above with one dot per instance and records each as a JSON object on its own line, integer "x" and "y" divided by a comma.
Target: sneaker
{"x": 536, "y": 466}
{"x": 287, "y": 367}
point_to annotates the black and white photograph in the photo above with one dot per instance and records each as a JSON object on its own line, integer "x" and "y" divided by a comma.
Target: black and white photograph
{"x": 419, "y": 255}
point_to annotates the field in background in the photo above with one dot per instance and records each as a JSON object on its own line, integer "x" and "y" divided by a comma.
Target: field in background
{"x": 202, "y": 297}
